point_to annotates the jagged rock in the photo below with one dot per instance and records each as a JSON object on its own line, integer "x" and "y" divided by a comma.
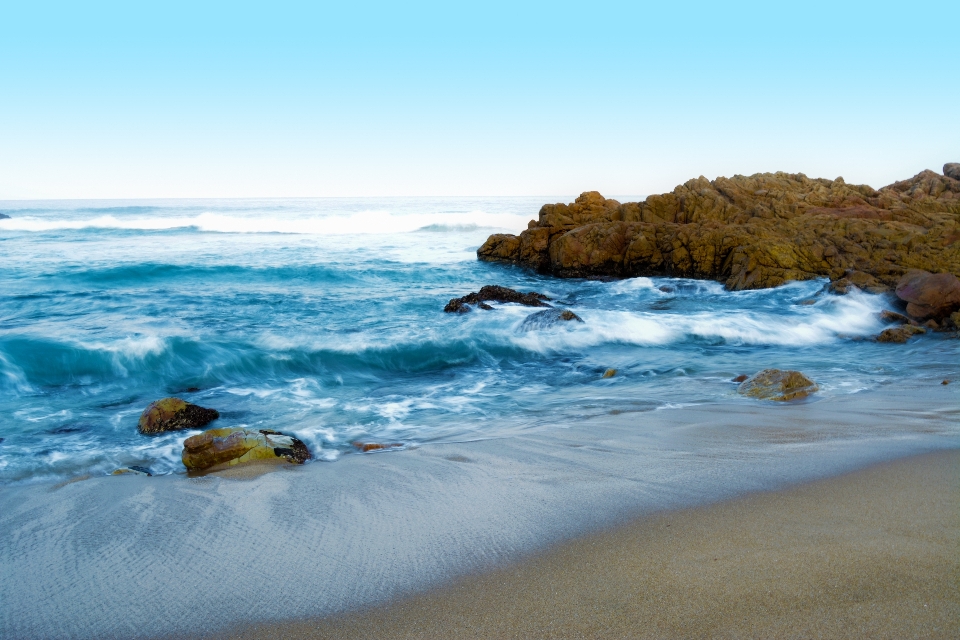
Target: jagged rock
{"x": 495, "y": 293}
{"x": 137, "y": 471}
{"x": 929, "y": 295}
{"x": 173, "y": 414}
{"x": 548, "y": 317}
{"x": 900, "y": 334}
{"x": 749, "y": 232}
{"x": 952, "y": 170}
{"x": 216, "y": 449}
{"x": 774, "y": 384}
{"x": 891, "y": 317}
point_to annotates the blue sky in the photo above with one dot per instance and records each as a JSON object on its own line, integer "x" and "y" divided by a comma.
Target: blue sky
{"x": 101, "y": 100}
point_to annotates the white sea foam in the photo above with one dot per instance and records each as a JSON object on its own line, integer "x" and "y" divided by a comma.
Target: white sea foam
{"x": 364, "y": 222}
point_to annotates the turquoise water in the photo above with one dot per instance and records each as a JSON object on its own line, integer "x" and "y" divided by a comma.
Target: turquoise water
{"x": 323, "y": 318}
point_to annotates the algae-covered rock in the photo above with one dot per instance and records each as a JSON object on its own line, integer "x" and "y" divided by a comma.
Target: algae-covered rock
{"x": 609, "y": 373}
{"x": 929, "y": 295}
{"x": 495, "y": 293}
{"x": 900, "y": 334}
{"x": 174, "y": 414}
{"x": 774, "y": 384}
{"x": 547, "y": 318}
{"x": 751, "y": 232}
{"x": 221, "y": 448}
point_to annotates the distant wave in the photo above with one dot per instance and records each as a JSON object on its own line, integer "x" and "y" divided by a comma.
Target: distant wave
{"x": 367, "y": 222}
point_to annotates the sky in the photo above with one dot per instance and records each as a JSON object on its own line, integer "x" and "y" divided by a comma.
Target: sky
{"x": 288, "y": 99}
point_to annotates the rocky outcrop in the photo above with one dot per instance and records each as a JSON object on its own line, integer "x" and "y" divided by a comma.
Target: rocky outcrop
{"x": 174, "y": 414}
{"x": 495, "y": 293}
{"x": 548, "y": 318}
{"x": 750, "y": 232}
{"x": 217, "y": 449}
{"x": 929, "y": 295}
{"x": 900, "y": 334}
{"x": 774, "y": 384}
{"x": 952, "y": 170}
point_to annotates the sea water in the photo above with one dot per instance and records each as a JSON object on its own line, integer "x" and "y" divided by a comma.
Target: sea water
{"x": 324, "y": 318}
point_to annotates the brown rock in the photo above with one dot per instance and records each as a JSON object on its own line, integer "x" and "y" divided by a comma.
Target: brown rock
{"x": 929, "y": 295}
{"x": 741, "y": 377}
{"x": 375, "y": 446}
{"x": 774, "y": 384}
{"x": 750, "y": 232}
{"x": 891, "y": 317}
{"x": 609, "y": 373}
{"x": 900, "y": 334}
{"x": 173, "y": 414}
{"x": 217, "y": 449}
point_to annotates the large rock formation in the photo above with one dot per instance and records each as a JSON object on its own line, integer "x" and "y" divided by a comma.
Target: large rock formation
{"x": 173, "y": 414}
{"x": 750, "y": 232}
{"x": 217, "y": 449}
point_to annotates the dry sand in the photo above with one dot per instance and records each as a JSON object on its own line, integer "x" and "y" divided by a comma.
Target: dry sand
{"x": 872, "y": 554}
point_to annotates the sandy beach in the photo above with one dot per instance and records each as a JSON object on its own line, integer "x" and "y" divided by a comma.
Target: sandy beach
{"x": 572, "y": 519}
{"x": 869, "y": 554}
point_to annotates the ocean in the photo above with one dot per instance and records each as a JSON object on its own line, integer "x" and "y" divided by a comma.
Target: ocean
{"x": 324, "y": 318}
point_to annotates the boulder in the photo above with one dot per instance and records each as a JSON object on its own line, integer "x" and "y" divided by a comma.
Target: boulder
{"x": 547, "y": 318}
{"x": 216, "y": 449}
{"x": 952, "y": 170}
{"x": 774, "y": 384}
{"x": 929, "y": 295}
{"x": 495, "y": 293}
{"x": 857, "y": 280}
{"x": 133, "y": 470}
{"x": 900, "y": 334}
{"x": 750, "y": 232}
{"x": 892, "y": 317}
{"x": 174, "y": 414}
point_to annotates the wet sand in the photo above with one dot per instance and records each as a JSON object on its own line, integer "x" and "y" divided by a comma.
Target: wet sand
{"x": 875, "y": 553}
{"x": 176, "y": 556}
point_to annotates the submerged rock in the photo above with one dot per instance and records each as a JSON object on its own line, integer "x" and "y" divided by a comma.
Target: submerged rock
{"x": 750, "y": 232}
{"x": 174, "y": 414}
{"x": 495, "y": 293}
{"x": 221, "y": 448}
{"x": 547, "y": 318}
{"x": 135, "y": 470}
{"x": 375, "y": 446}
{"x": 741, "y": 377}
{"x": 3, "y": 216}
{"x": 929, "y": 295}
{"x": 609, "y": 373}
{"x": 774, "y": 384}
{"x": 900, "y": 334}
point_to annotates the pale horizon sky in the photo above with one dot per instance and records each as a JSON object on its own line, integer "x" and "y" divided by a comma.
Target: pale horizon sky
{"x": 286, "y": 99}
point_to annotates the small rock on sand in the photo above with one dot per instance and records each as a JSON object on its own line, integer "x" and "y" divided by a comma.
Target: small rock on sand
{"x": 774, "y": 384}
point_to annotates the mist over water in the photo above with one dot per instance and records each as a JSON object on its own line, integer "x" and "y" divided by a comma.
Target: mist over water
{"x": 324, "y": 318}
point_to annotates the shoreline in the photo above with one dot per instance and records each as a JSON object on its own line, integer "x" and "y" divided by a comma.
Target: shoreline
{"x": 871, "y": 553}
{"x": 138, "y": 557}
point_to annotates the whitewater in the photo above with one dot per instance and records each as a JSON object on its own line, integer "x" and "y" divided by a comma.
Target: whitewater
{"x": 324, "y": 318}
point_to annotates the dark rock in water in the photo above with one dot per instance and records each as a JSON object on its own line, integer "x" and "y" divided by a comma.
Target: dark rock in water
{"x": 891, "y": 317}
{"x": 667, "y": 289}
{"x": 173, "y": 414}
{"x": 495, "y": 293}
{"x": 952, "y": 170}
{"x": 945, "y": 382}
{"x": 217, "y": 449}
{"x": 900, "y": 334}
{"x": 375, "y": 446}
{"x": 135, "y": 470}
{"x": 548, "y": 317}
{"x": 929, "y": 295}
{"x": 859, "y": 280}
{"x": 750, "y": 232}
{"x": 3, "y": 216}
{"x": 774, "y": 384}
{"x": 741, "y": 377}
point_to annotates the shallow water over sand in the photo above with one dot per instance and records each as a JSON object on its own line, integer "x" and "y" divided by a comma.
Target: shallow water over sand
{"x": 324, "y": 318}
